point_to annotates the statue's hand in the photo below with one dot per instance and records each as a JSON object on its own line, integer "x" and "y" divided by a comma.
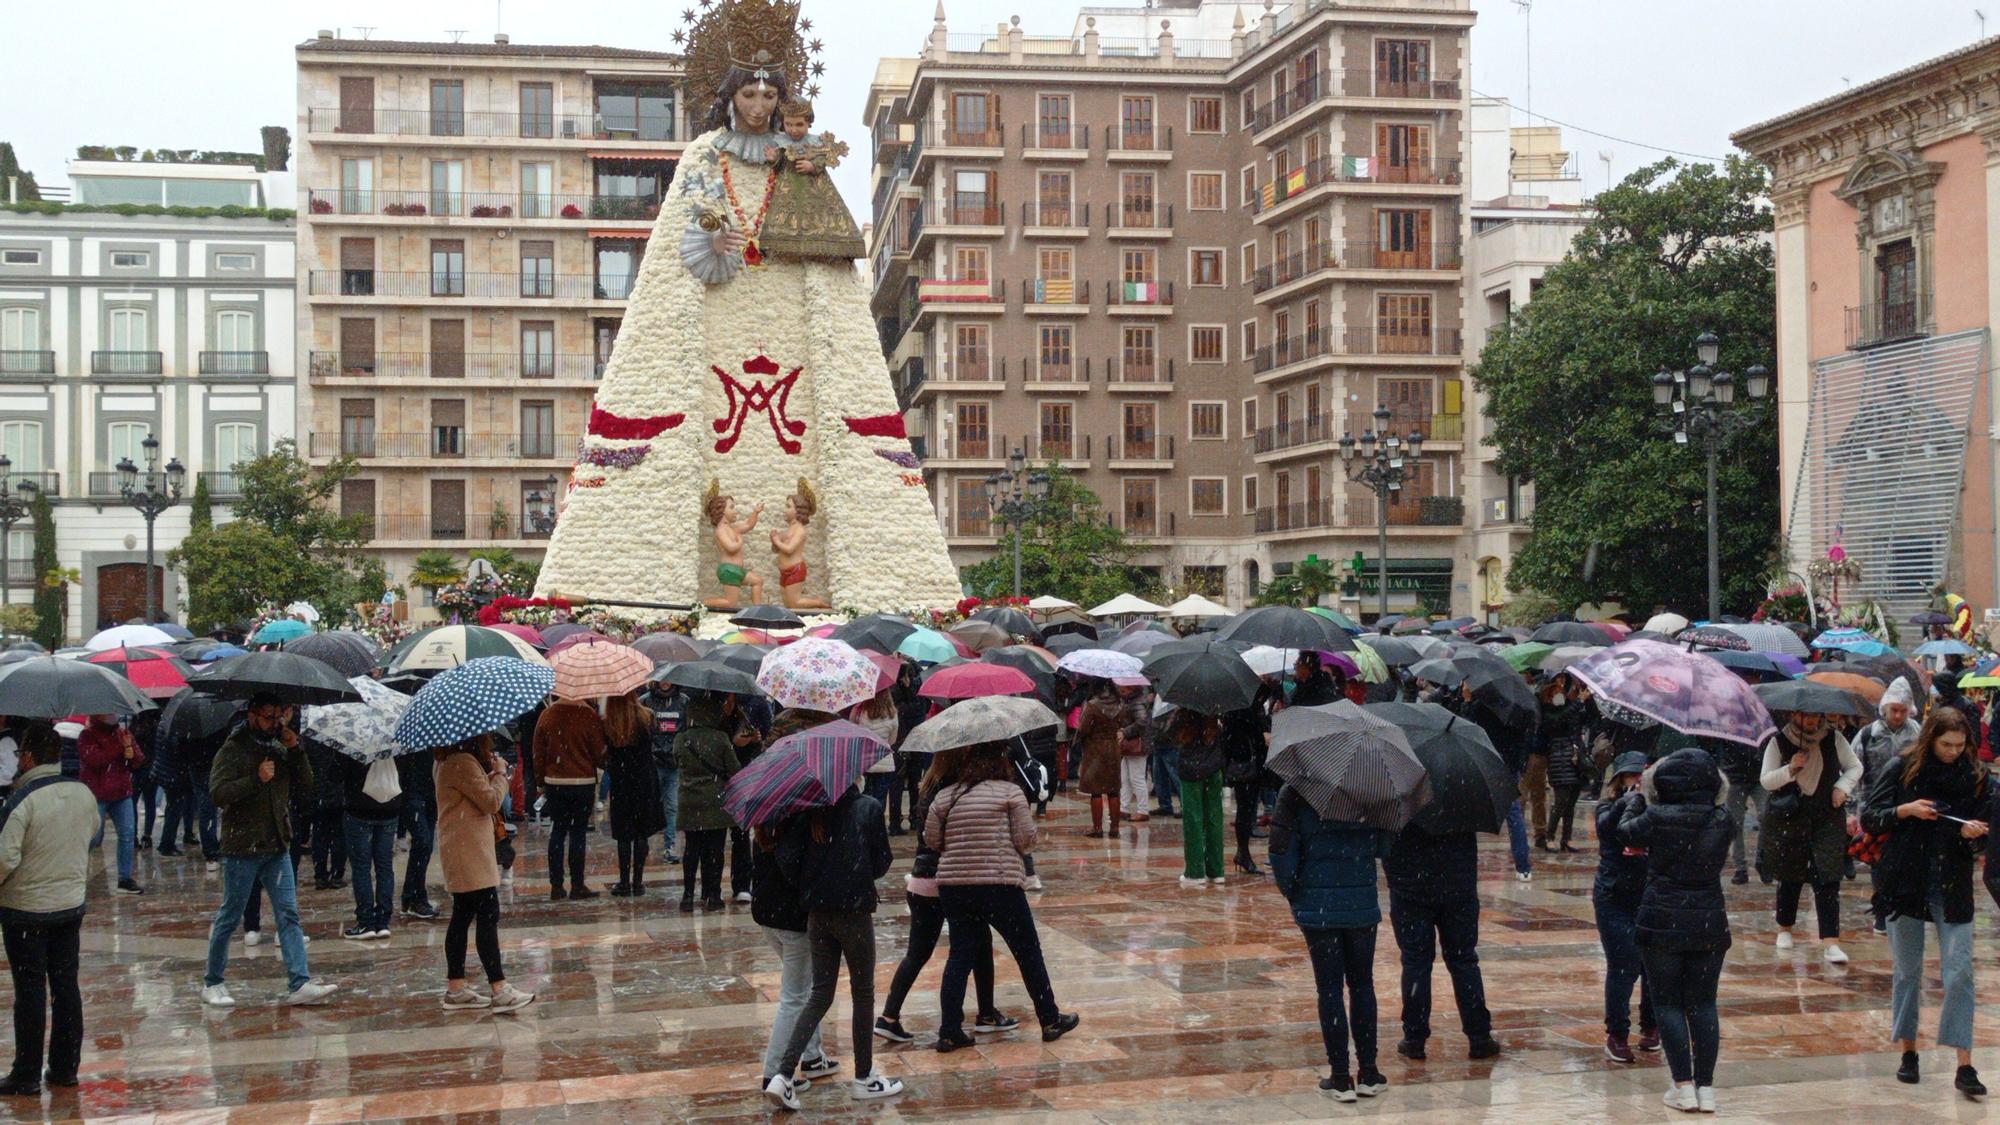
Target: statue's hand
{"x": 729, "y": 242}
{"x": 806, "y": 166}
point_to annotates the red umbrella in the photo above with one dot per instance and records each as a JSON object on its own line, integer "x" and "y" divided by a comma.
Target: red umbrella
{"x": 1616, "y": 630}
{"x": 887, "y": 668}
{"x": 969, "y": 681}
{"x": 527, "y": 633}
{"x": 155, "y": 671}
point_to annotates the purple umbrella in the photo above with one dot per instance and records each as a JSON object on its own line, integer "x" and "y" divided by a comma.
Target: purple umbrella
{"x": 809, "y": 769}
{"x": 1687, "y": 691}
{"x": 1787, "y": 663}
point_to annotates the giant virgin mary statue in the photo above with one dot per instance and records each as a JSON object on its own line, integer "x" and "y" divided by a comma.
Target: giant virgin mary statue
{"x": 748, "y": 382}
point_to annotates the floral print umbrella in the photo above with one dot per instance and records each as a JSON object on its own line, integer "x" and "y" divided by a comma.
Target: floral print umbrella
{"x": 819, "y": 674}
{"x": 364, "y": 731}
{"x": 1684, "y": 690}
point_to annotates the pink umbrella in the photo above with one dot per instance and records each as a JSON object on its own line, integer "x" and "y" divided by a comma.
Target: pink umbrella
{"x": 969, "y": 681}
{"x": 527, "y": 633}
{"x": 593, "y": 671}
{"x": 575, "y": 639}
{"x": 1616, "y": 630}
{"x": 887, "y": 668}
{"x": 826, "y": 629}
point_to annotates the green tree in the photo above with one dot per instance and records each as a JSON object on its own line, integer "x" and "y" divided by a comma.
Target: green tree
{"x": 432, "y": 569}
{"x": 11, "y": 166}
{"x": 232, "y": 570}
{"x": 201, "y": 509}
{"x": 51, "y": 599}
{"x": 1673, "y": 251}
{"x": 1069, "y": 548}
{"x": 1311, "y": 579}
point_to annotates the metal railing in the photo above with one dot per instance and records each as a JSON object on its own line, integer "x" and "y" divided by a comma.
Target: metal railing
{"x": 433, "y": 444}
{"x": 1349, "y": 82}
{"x": 1126, "y": 371}
{"x": 952, "y": 136}
{"x": 1304, "y": 346}
{"x": 1324, "y": 426}
{"x": 380, "y": 121}
{"x": 996, "y": 293}
{"x": 967, "y": 213}
{"x": 421, "y": 203}
{"x": 49, "y": 484}
{"x": 1157, "y": 139}
{"x": 1153, "y": 294}
{"x": 234, "y": 363}
{"x": 1411, "y": 509}
{"x": 1055, "y": 138}
{"x": 1036, "y": 213}
{"x": 1357, "y": 254}
{"x": 125, "y": 363}
{"x": 1075, "y": 373}
{"x": 1118, "y": 217}
{"x": 223, "y": 482}
{"x": 1143, "y": 447}
{"x": 1300, "y": 516}
{"x": 1075, "y": 447}
{"x": 447, "y": 365}
{"x": 31, "y": 361}
{"x": 527, "y": 285}
{"x": 1883, "y": 322}
{"x": 1352, "y": 170}
{"x": 1037, "y": 292}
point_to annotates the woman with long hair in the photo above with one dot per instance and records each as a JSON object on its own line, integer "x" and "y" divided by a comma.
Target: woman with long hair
{"x": 636, "y": 808}
{"x": 471, "y": 783}
{"x": 878, "y": 717}
{"x": 1930, "y": 802}
{"x": 980, "y": 825}
{"x": 1099, "y": 732}
{"x": 1810, "y": 772}
{"x": 782, "y": 916}
{"x": 1615, "y": 895}
{"x": 1199, "y": 765}
{"x": 927, "y": 920}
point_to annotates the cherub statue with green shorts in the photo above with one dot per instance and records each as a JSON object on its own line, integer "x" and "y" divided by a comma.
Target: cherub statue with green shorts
{"x": 729, "y": 568}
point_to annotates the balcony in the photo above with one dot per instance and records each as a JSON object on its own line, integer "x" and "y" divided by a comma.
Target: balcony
{"x": 1414, "y": 84}
{"x": 494, "y": 205}
{"x": 972, "y": 137}
{"x": 1055, "y": 142}
{"x": 887, "y": 137}
{"x": 234, "y": 363}
{"x": 1311, "y": 430}
{"x": 908, "y": 380}
{"x": 445, "y": 366}
{"x": 1140, "y": 450}
{"x": 1441, "y": 171}
{"x": 982, "y": 297}
{"x": 1305, "y": 516}
{"x": 222, "y": 484}
{"x": 1055, "y": 220}
{"x": 1294, "y": 98}
{"x": 1133, "y": 222}
{"x": 1885, "y": 322}
{"x": 48, "y": 484}
{"x": 1137, "y": 374}
{"x": 30, "y": 361}
{"x": 385, "y": 122}
{"x": 125, "y": 363}
{"x": 1065, "y": 447}
{"x": 1351, "y": 342}
{"x": 1072, "y": 376}
{"x": 1127, "y": 144}
{"x": 428, "y": 445}
{"x": 421, "y": 284}
{"x": 1139, "y": 298}
{"x": 1427, "y": 511}
{"x": 1360, "y": 254}
{"x": 1055, "y": 298}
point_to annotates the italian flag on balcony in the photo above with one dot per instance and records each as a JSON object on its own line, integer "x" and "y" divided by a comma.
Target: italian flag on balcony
{"x": 1354, "y": 167}
{"x": 1142, "y": 292}
{"x": 936, "y": 289}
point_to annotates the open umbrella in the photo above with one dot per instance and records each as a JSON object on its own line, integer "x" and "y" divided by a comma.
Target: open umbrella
{"x": 1471, "y": 786}
{"x": 1715, "y": 637}
{"x": 192, "y": 717}
{"x": 448, "y": 646}
{"x": 804, "y": 770}
{"x": 709, "y": 675}
{"x": 764, "y": 616}
{"x": 1194, "y": 605}
{"x": 663, "y": 647}
{"x": 126, "y": 636}
{"x": 364, "y": 731}
{"x": 1526, "y": 655}
{"x": 1124, "y": 604}
{"x": 285, "y": 676}
{"x": 1349, "y": 764}
{"x": 748, "y": 659}
{"x": 1684, "y": 690}
{"x": 579, "y": 640}
{"x": 279, "y": 631}
{"x": 1559, "y": 660}
{"x": 599, "y": 671}
{"x": 1845, "y": 637}
{"x": 1948, "y": 646}
{"x": 350, "y": 654}
{"x": 1141, "y": 643}
{"x": 972, "y": 680}
{"x": 1100, "y": 662}
{"x": 926, "y": 646}
{"x": 1408, "y": 625}
{"x": 1437, "y": 670}
{"x": 990, "y": 718}
{"x": 1284, "y": 627}
{"x": 980, "y": 635}
{"x": 557, "y": 632}
{"x": 1757, "y": 666}
{"x": 1396, "y": 652}
{"x": 481, "y": 695}
{"x": 1062, "y": 644}
{"x": 818, "y": 674}
{"x": 1011, "y": 621}
{"x": 1666, "y": 624}
{"x": 1335, "y": 616}
{"x": 1038, "y": 664}
{"x": 1068, "y": 622}
{"x": 155, "y": 671}
{"x": 1049, "y": 603}
{"x": 1208, "y": 678}
{"x": 527, "y": 633}
{"x": 51, "y": 687}
{"x": 1769, "y": 638}
{"x": 1812, "y": 697}
{"x": 1570, "y": 633}
{"x": 1495, "y": 685}
{"x": 1450, "y": 625}
{"x": 25, "y": 645}
{"x": 1862, "y": 687}
{"x": 877, "y": 632}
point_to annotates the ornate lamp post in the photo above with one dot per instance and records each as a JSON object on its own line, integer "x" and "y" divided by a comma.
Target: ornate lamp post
{"x": 1383, "y": 464}
{"x": 541, "y": 506}
{"x": 1700, "y": 403}
{"x": 152, "y": 495}
{"x": 1014, "y": 495}
{"x": 15, "y": 499}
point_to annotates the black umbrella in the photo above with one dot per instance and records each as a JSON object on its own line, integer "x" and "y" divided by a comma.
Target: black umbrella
{"x": 1015, "y": 622}
{"x": 191, "y": 717}
{"x": 1930, "y": 617}
{"x": 708, "y": 675}
{"x": 1496, "y": 685}
{"x": 1213, "y": 624}
{"x": 52, "y": 687}
{"x": 409, "y": 681}
{"x": 1028, "y": 661}
{"x": 1798, "y": 696}
{"x": 1471, "y": 786}
{"x": 15, "y": 656}
{"x": 25, "y": 646}
{"x": 174, "y": 629}
{"x": 1570, "y": 633}
{"x": 1068, "y": 628}
{"x": 1349, "y": 765}
{"x": 1755, "y": 663}
{"x": 1708, "y": 637}
{"x": 1065, "y": 643}
{"x": 285, "y": 676}
{"x": 350, "y": 654}
{"x": 1396, "y": 652}
{"x": 877, "y": 632}
{"x": 742, "y": 657}
{"x": 767, "y": 617}
{"x": 1437, "y": 670}
{"x": 1281, "y": 626}
{"x": 1889, "y": 667}
{"x": 1203, "y": 676}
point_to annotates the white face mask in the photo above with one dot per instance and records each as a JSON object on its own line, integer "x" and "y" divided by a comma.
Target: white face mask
{"x": 1558, "y": 699}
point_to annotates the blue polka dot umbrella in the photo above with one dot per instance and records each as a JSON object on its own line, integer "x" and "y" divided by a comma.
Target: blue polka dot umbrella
{"x": 478, "y": 696}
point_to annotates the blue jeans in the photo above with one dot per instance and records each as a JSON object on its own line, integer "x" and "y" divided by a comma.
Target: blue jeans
{"x": 670, "y": 793}
{"x": 122, "y": 816}
{"x": 204, "y": 816}
{"x": 240, "y": 874}
{"x": 1166, "y": 776}
{"x": 1683, "y": 985}
{"x": 794, "y": 989}
{"x": 420, "y": 817}
{"x": 1517, "y": 837}
{"x": 1618, "y": 933}
{"x": 371, "y": 850}
{"x": 1906, "y": 942}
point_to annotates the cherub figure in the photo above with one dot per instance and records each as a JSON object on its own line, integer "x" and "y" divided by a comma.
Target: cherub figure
{"x": 730, "y": 569}
{"x": 790, "y": 547}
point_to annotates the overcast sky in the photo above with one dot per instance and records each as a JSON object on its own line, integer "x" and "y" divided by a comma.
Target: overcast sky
{"x": 1681, "y": 74}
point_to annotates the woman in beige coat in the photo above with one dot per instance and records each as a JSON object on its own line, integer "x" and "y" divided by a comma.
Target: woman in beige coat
{"x": 471, "y": 782}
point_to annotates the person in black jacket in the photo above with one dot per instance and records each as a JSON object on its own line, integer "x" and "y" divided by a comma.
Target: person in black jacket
{"x": 783, "y": 917}
{"x": 1683, "y": 929}
{"x": 636, "y": 807}
{"x": 329, "y": 823}
{"x": 1615, "y": 894}
{"x": 1561, "y": 733}
{"x": 1314, "y": 684}
{"x": 1931, "y": 802}
{"x": 420, "y": 821}
{"x": 1245, "y": 745}
{"x": 1434, "y": 900}
{"x": 833, "y": 856}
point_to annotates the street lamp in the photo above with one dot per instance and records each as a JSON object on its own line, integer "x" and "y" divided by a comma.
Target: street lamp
{"x": 13, "y": 509}
{"x": 541, "y": 506}
{"x": 1013, "y": 496}
{"x": 1700, "y": 403}
{"x": 1383, "y": 464}
{"x": 153, "y": 494}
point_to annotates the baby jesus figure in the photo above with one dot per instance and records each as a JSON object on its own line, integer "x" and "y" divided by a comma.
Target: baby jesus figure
{"x": 790, "y": 547}
{"x": 807, "y": 218}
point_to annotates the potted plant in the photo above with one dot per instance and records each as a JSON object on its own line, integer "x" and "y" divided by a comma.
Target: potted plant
{"x": 482, "y": 211}
{"x": 572, "y": 211}
{"x": 322, "y": 206}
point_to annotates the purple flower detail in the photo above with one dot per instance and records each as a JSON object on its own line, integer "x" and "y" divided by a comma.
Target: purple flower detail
{"x": 623, "y": 458}
{"x": 898, "y": 457}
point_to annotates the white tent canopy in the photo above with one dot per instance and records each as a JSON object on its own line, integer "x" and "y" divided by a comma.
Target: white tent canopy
{"x": 1194, "y": 605}
{"x": 1123, "y": 604}
{"x": 1667, "y": 623}
{"x": 1048, "y": 603}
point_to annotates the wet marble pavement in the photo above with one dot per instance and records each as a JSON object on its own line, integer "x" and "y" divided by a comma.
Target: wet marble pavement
{"x": 1196, "y": 1005}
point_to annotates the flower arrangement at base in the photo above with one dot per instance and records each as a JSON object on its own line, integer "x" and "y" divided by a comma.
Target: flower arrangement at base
{"x": 461, "y": 601}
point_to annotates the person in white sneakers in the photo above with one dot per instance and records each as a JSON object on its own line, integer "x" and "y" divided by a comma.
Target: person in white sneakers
{"x": 1810, "y": 772}
{"x": 471, "y": 783}
{"x": 252, "y": 781}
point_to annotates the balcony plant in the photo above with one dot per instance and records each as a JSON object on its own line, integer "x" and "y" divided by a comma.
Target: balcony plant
{"x": 572, "y": 211}
{"x": 1441, "y": 511}
{"x": 483, "y": 211}
{"x": 322, "y": 206}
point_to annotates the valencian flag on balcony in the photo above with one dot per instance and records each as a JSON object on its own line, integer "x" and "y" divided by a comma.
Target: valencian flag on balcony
{"x": 1270, "y": 193}
{"x": 1353, "y": 167}
{"x": 1061, "y": 292}
{"x": 936, "y": 289}
{"x": 1142, "y": 292}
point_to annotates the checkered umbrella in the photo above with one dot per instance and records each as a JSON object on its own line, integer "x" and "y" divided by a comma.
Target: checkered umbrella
{"x": 480, "y": 695}
{"x": 1349, "y": 765}
{"x": 593, "y": 671}
{"x": 805, "y": 770}
{"x": 818, "y": 674}
{"x": 364, "y": 731}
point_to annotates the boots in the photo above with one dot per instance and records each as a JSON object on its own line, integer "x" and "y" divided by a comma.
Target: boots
{"x": 1096, "y": 816}
{"x": 1115, "y": 820}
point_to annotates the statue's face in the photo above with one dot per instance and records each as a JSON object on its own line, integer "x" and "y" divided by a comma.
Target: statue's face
{"x": 795, "y": 128}
{"x": 754, "y": 105}
{"x": 729, "y": 509}
{"x": 791, "y": 510}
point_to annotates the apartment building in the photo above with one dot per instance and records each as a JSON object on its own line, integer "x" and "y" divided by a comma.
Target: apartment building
{"x": 116, "y": 330}
{"x": 1185, "y": 249}
{"x": 472, "y": 219}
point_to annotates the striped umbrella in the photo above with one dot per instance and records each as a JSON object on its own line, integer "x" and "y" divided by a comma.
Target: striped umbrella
{"x": 481, "y": 695}
{"x": 809, "y": 769}
{"x": 1349, "y": 764}
{"x": 155, "y": 671}
{"x": 594, "y": 671}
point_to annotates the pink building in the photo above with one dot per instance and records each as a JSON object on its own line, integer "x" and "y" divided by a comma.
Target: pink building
{"x": 1887, "y": 198}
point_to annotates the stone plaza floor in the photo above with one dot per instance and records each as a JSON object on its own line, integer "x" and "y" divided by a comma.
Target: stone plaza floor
{"x": 1196, "y": 1005}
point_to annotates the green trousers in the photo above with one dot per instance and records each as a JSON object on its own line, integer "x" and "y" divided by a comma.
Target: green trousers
{"x": 1201, "y": 827}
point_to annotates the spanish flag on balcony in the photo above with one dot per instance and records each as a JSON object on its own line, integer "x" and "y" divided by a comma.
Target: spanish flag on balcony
{"x": 1055, "y": 292}
{"x": 1142, "y": 292}
{"x": 1354, "y": 167}
{"x": 1295, "y": 182}
{"x": 935, "y": 289}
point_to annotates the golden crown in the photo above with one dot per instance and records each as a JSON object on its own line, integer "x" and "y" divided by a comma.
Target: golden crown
{"x": 764, "y": 37}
